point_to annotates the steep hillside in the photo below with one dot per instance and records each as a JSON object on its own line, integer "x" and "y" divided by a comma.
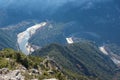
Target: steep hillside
{"x": 80, "y": 58}
{"x": 113, "y": 51}
{"x": 114, "y": 48}
{"x": 7, "y": 39}
{"x": 17, "y": 66}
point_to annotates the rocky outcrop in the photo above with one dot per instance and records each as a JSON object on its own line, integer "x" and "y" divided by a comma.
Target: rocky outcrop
{"x": 6, "y": 74}
{"x": 20, "y": 71}
{"x": 51, "y": 79}
{"x": 51, "y": 64}
{"x": 17, "y": 66}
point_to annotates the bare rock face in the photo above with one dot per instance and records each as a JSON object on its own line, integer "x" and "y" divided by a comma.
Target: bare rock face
{"x": 6, "y": 74}
{"x": 4, "y": 71}
{"x": 51, "y": 79}
{"x": 34, "y": 71}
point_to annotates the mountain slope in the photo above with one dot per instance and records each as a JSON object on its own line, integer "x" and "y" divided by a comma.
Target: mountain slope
{"x": 80, "y": 58}
{"x": 7, "y": 39}
{"x": 15, "y": 65}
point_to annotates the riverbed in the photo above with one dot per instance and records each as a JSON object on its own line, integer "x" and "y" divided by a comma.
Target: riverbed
{"x": 23, "y": 37}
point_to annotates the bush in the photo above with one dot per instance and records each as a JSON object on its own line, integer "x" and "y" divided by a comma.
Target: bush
{"x": 3, "y": 63}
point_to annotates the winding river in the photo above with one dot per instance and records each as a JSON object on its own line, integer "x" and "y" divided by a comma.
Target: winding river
{"x": 23, "y": 37}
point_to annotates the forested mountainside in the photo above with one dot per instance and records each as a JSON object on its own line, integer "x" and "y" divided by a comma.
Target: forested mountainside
{"x": 80, "y": 58}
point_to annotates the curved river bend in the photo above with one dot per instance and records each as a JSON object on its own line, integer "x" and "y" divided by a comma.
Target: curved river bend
{"x": 23, "y": 37}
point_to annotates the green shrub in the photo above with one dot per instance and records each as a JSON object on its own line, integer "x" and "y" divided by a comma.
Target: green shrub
{"x": 3, "y": 63}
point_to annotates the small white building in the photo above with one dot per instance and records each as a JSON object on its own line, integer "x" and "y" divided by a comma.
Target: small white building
{"x": 70, "y": 40}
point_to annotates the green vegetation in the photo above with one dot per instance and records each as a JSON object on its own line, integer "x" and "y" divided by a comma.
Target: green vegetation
{"x": 9, "y": 55}
{"x": 3, "y": 62}
{"x": 82, "y": 61}
{"x": 14, "y": 60}
{"x": 78, "y": 59}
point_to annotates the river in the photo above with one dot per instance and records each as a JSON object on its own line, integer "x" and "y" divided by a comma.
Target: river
{"x": 23, "y": 37}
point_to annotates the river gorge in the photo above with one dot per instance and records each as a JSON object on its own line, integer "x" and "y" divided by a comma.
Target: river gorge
{"x": 23, "y": 38}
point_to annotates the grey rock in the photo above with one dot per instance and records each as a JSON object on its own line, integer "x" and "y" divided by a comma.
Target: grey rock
{"x": 10, "y": 75}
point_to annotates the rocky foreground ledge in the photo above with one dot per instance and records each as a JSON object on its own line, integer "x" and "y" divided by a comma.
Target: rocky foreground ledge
{"x": 6, "y": 74}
